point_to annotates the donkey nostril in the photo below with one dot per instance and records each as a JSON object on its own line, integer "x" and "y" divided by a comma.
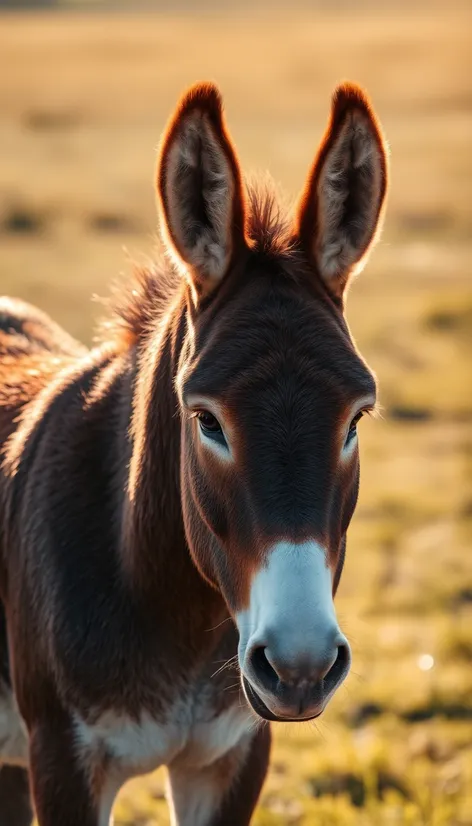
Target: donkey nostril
{"x": 339, "y": 668}
{"x": 262, "y": 667}
{"x": 275, "y": 673}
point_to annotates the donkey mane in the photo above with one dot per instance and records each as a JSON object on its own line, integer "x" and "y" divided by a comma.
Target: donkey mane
{"x": 138, "y": 302}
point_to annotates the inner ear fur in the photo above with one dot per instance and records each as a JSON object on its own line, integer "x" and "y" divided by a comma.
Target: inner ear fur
{"x": 199, "y": 188}
{"x": 340, "y": 210}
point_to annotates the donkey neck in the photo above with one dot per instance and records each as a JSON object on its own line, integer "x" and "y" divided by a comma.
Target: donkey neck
{"x": 156, "y": 554}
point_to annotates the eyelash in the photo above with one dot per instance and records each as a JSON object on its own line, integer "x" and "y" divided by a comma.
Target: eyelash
{"x": 353, "y": 426}
{"x": 356, "y": 419}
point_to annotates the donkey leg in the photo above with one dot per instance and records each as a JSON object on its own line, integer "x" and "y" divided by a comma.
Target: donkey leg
{"x": 15, "y": 804}
{"x": 67, "y": 789}
{"x": 224, "y": 793}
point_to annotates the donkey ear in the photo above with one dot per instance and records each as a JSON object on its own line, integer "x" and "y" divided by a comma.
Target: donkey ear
{"x": 341, "y": 206}
{"x": 199, "y": 187}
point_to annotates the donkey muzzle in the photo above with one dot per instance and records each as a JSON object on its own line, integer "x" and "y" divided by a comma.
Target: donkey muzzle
{"x": 292, "y": 653}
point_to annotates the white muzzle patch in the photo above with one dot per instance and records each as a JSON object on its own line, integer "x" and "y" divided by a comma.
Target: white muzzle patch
{"x": 291, "y": 610}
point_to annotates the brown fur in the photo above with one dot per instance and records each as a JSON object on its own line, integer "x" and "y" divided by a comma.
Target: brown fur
{"x": 15, "y": 805}
{"x": 126, "y": 546}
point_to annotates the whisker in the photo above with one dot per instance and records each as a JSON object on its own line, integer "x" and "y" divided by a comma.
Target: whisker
{"x": 226, "y": 664}
{"x": 314, "y": 725}
{"x": 234, "y": 685}
{"x": 323, "y": 724}
{"x": 255, "y": 724}
{"x": 359, "y": 676}
{"x": 227, "y": 619}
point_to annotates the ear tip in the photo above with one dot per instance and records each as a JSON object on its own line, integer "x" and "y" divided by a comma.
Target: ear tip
{"x": 203, "y": 95}
{"x": 349, "y": 95}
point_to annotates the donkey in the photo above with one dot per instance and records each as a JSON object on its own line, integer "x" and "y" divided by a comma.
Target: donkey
{"x": 174, "y": 502}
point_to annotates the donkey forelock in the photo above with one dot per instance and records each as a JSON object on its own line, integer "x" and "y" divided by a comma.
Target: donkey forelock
{"x": 140, "y": 299}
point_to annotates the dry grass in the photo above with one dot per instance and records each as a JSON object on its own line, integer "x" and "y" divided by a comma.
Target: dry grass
{"x": 82, "y": 103}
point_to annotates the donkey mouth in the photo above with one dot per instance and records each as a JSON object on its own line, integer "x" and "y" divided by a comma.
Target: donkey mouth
{"x": 264, "y": 711}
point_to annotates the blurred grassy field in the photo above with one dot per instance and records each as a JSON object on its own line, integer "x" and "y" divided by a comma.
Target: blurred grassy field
{"x": 83, "y": 99}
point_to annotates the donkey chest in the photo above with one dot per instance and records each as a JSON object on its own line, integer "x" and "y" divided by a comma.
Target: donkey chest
{"x": 190, "y": 732}
{"x": 130, "y": 745}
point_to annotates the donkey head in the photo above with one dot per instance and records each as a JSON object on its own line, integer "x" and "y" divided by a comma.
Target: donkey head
{"x": 271, "y": 386}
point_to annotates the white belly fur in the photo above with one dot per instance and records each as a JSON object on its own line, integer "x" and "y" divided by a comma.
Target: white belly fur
{"x": 190, "y": 736}
{"x": 13, "y": 737}
{"x": 135, "y": 747}
{"x": 131, "y": 746}
{"x": 139, "y": 746}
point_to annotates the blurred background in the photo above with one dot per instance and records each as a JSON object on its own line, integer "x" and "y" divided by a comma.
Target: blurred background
{"x": 85, "y": 90}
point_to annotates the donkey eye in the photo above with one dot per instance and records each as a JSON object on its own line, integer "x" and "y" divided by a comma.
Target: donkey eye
{"x": 210, "y": 425}
{"x": 353, "y": 426}
{"x": 208, "y": 421}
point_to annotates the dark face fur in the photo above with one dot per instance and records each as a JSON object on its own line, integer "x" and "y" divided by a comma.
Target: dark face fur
{"x": 271, "y": 389}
